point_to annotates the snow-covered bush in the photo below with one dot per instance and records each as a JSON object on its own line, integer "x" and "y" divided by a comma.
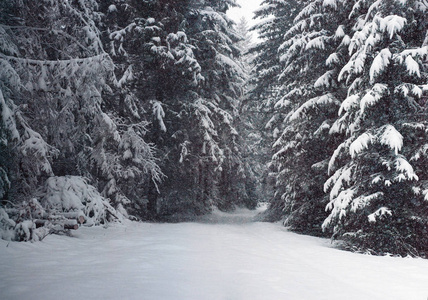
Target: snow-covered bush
{"x": 65, "y": 202}
{"x": 19, "y": 222}
{"x": 7, "y": 226}
{"x": 73, "y": 194}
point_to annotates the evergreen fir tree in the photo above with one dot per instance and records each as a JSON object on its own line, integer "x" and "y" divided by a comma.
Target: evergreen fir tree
{"x": 55, "y": 110}
{"x": 221, "y": 168}
{"x": 378, "y": 175}
{"x": 242, "y": 29}
{"x": 309, "y": 102}
{"x": 276, "y": 18}
{"x": 183, "y": 72}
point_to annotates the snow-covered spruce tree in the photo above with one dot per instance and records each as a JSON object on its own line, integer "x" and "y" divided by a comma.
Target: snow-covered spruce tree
{"x": 250, "y": 121}
{"x": 308, "y": 104}
{"x": 295, "y": 115}
{"x": 9, "y": 82}
{"x": 378, "y": 184}
{"x": 168, "y": 60}
{"x": 158, "y": 76}
{"x": 29, "y": 157}
{"x": 224, "y": 78}
{"x": 246, "y": 42}
{"x": 57, "y": 74}
{"x": 276, "y": 17}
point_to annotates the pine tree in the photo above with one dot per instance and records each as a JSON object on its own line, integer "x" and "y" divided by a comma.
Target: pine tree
{"x": 176, "y": 63}
{"x": 242, "y": 28}
{"x": 222, "y": 173}
{"x": 156, "y": 69}
{"x": 309, "y": 102}
{"x": 57, "y": 76}
{"x": 276, "y": 18}
{"x": 253, "y": 149}
{"x": 378, "y": 173}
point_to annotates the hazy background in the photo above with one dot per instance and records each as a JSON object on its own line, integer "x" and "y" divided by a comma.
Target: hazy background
{"x": 246, "y": 10}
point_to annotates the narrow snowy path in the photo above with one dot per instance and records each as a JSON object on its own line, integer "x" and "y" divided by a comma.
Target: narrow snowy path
{"x": 220, "y": 257}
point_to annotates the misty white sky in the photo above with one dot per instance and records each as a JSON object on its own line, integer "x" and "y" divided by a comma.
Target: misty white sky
{"x": 246, "y": 10}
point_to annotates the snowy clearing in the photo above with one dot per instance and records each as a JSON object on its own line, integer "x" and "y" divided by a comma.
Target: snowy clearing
{"x": 222, "y": 256}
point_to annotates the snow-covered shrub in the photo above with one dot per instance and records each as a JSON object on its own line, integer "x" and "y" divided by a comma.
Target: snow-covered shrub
{"x": 30, "y": 210}
{"x": 7, "y": 226}
{"x": 65, "y": 202}
{"x": 24, "y": 231}
{"x": 19, "y": 223}
{"x": 73, "y": 194}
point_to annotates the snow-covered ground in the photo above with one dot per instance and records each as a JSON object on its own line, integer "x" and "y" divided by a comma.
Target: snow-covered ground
{"x": 224, "y": 256}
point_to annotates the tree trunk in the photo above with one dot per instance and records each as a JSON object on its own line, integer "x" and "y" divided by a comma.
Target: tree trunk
{"x": 152, "y": 197}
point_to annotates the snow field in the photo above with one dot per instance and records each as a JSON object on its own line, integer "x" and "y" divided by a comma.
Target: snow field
{"x": 222, "y": 256}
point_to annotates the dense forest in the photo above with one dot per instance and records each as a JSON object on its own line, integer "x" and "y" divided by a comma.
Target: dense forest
{"x": 159, "y": 110}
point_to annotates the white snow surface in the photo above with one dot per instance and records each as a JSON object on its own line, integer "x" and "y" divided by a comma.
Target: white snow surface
{"x": 222, "y": 256}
